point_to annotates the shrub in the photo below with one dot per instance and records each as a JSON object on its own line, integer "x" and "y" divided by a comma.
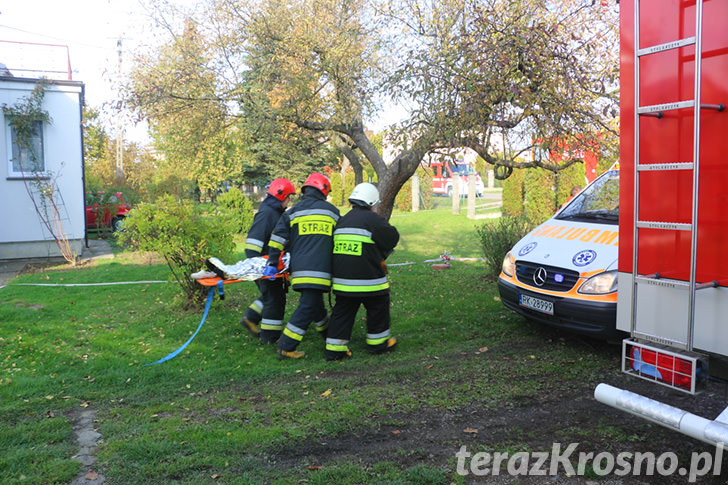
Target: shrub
{"x": 569, "y": 178}
{"x": 513, "y": 193}
{"x": 238, "y": 208}
{"x": 349, "y": 184}
{"x": 336, "y": 196}
{"x": 498, "y": 237}
{"x": 184, "y": 235}
{"x": 537, "y": 193}
{"x": 539, "y": 203}
{"x": 339, "y": 194}
{"x": 341, "y": 189}
{"x": 403, "y": 201}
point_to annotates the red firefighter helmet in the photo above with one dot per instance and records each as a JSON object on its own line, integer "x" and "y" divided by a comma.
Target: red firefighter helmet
{"x": 319, "y": 181}
{"x": 281, "y": 188}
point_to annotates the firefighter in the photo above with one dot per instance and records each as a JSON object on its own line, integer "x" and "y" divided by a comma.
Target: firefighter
{"x": 268, "y": 309}
{"x": 362, "y": 241}
{"x": 306, "y": 232}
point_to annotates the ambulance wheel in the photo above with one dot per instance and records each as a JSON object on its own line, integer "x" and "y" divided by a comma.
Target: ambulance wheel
{"x": 449, "y": 191}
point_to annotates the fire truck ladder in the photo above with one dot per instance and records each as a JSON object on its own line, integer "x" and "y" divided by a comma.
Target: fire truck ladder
{"x": 661, "y": 349}
{"x": 683, "y": 365}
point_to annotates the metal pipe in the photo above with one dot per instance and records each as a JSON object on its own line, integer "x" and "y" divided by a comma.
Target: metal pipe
{"x": 636, "y": 175}
{"x": 656, "y": 114}
{"x": 718, "y": 107}
{"x": 710, "y": 284}
{"x": 711, "y": 432}
{"x": 696, "y": 172}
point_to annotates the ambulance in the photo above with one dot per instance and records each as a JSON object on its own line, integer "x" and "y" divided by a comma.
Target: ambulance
{"x": 564, "y": 272}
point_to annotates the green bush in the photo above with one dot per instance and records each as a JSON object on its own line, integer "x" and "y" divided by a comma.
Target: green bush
{"x": 336, "y": 196}
{"x": 184, "y": 235}
{"x": 498, "y": 237}
{"x": 238, "y": 208}
{"x": 569, "y": 178}
{"x": 513, "y": 194}
{"x": 539, "y": 203}
{"x": 349, "y": 184}
{"x": 339, "y": 194}
{"x": 536, "y": 194}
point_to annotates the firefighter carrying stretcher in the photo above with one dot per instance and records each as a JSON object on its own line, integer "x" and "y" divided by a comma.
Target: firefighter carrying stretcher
{"x": 362, "y": 241}
{"x": 305, "y": 231}
{"x": 264, "y": 317}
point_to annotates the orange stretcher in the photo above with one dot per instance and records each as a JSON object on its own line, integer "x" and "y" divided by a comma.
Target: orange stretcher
{"x": 214, "y": 281}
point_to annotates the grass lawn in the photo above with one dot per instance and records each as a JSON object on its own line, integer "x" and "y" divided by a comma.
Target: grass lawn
{"x": 226, "y": 410}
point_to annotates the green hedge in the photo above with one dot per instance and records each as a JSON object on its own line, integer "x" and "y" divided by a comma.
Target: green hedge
{"x": 535, "y": 194}
{"x": 497, "y": 237}
{"x": 513, "y": 194}
{"x": 403, "y": 202}
{"x": 340, "y": 193}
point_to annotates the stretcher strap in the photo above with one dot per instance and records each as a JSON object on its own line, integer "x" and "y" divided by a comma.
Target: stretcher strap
{"x": 210, "y": 296}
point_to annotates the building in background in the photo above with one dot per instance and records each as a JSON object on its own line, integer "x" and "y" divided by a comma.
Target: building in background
{"x": 59, "y": 165}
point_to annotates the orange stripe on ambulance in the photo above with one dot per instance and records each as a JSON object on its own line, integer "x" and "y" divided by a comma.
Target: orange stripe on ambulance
{"x": 599, "y": 236}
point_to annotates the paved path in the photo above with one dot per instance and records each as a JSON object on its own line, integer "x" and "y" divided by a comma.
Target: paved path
{"x": 10, "y": 268}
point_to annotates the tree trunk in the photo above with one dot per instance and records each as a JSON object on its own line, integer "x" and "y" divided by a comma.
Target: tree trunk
{"x": 351, "y": 155}
{"x": 392, "y": 177}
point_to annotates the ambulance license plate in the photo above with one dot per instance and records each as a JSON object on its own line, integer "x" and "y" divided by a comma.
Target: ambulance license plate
{"x": 537, "y": 304}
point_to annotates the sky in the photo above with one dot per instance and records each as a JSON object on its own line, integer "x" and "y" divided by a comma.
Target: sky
{"x": 87, "y": 30}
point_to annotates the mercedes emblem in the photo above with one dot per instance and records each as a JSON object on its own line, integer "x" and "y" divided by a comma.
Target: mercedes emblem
{"x": 539, "y": 276}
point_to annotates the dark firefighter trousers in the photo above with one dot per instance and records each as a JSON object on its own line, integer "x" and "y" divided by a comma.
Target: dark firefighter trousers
{"x": 377, "y": 314}
{"x": 269, "y": 308}
{"x": 311, "y": 309}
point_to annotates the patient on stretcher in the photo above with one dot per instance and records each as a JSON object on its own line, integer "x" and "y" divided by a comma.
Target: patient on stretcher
{"x": 246, "y": 270}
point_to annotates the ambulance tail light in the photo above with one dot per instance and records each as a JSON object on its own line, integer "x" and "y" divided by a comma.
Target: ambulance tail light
{"x": 684, "y": 371}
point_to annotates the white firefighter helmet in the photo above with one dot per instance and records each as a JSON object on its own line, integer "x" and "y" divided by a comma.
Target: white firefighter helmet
{"x": 365, "y": 194}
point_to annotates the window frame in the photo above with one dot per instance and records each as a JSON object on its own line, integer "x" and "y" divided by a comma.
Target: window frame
{"x": 11, "y": 144}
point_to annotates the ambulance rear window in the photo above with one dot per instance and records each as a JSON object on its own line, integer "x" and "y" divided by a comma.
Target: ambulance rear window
{"x": 598, "y": 202}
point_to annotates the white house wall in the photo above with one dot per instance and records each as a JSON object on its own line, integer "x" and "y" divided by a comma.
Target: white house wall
{"x": 22, "y": 234}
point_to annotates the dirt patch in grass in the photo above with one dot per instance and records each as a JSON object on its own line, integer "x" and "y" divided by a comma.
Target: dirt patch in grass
{"x": 563, "y": 412}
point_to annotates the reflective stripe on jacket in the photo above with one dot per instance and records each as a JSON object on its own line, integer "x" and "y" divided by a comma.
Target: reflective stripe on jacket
{"x": 256, "y": 244}
{"x": 306, "y": 232}
{"x": 362, "y": 241}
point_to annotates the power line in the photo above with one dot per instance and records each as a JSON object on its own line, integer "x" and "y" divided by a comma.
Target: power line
{"x": 57, "y": 38}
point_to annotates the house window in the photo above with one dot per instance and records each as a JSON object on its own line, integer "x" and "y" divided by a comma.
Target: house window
{"x": 27, "y": 158}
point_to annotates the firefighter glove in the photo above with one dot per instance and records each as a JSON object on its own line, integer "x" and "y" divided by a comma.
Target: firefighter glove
{"x": 270, "y": 272}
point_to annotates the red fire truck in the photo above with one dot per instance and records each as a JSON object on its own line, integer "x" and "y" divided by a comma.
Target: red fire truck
{"x": 442, "y": 177}
{"x": 673, "y": 214}
{"x": 561, "y": 151}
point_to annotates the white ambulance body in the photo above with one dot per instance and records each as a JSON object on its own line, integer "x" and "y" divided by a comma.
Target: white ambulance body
{"x": 564, "y": 272}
